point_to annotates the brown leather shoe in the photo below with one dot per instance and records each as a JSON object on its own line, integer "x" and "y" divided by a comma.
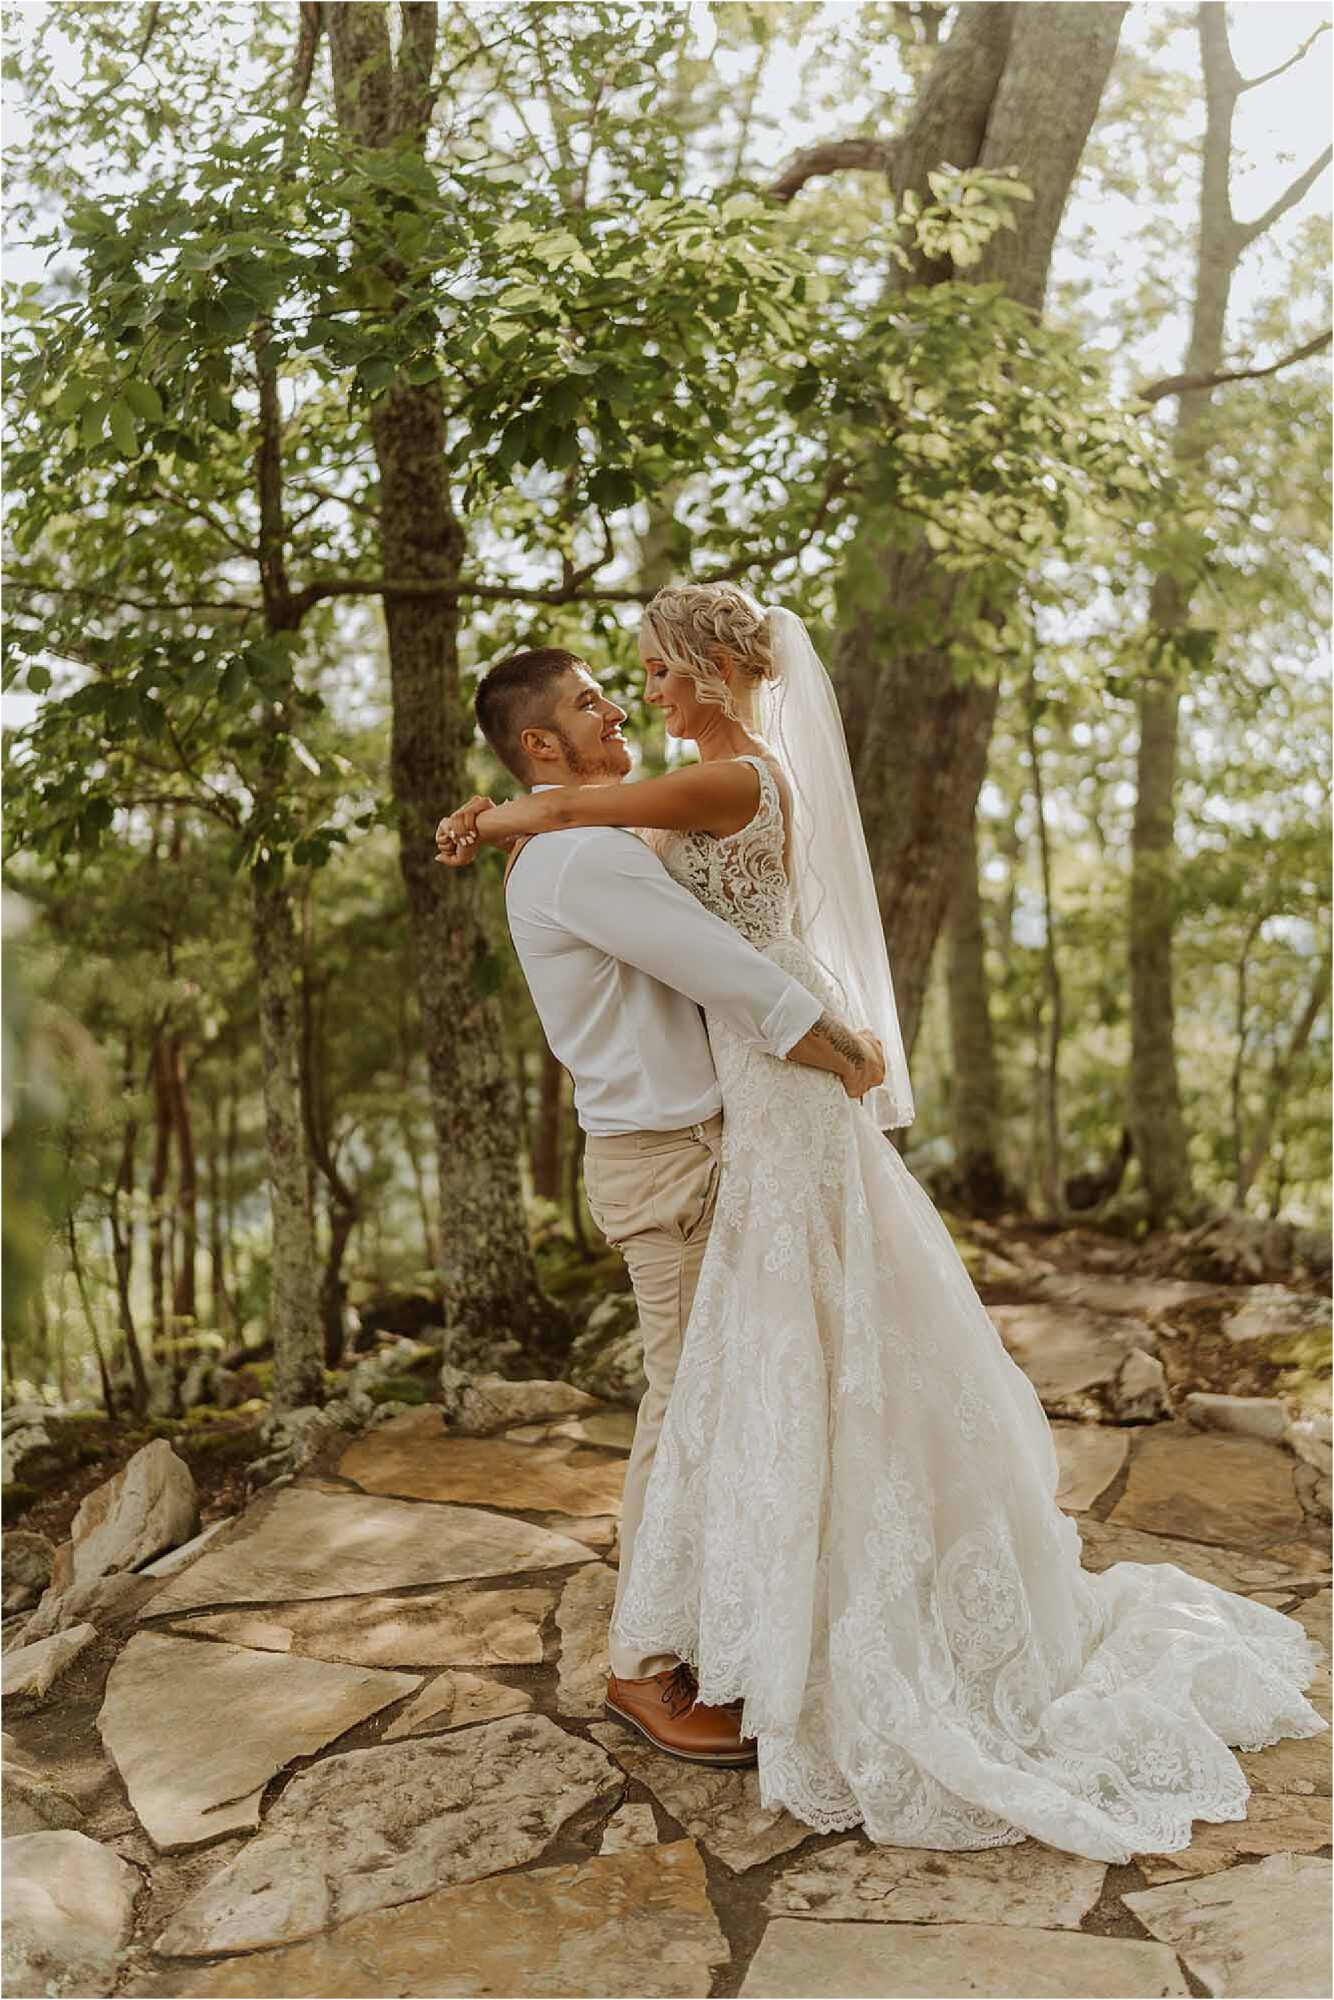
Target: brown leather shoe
{"x": 667, "y": 1710}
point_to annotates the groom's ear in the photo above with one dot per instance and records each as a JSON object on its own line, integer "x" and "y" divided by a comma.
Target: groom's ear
{"x": 539, "y": 748}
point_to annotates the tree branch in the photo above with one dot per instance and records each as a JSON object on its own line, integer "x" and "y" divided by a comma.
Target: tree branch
{"x": 833, "y": 157}
{"x": 1254, "y": 82}
{"x": 1248, "y": 231}
{"x": 303, "y": 63}
{"x": 1176, "y": 385}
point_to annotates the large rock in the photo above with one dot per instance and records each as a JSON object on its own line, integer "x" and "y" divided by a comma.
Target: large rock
{"x": 454, "y": 1701}
{"x": 181, "y": 1558}
{"x": 103, "y": 1601}
{"x": 372, "y": 1829}
{"x": 1138, "y": 1392}
{"x": 1209, "y": 1488}
{"x": 608, "y": 1356}
{"x": 1250, "y": 1930}
{"x": 1263, "y": 1417}
{"x": 148, "y": 1506}
{"x": 1281, "y": 1823}
{"x": 33, "y": 1801}
{"x": 314, "y": 1543}
{"x": 68, "y": 1911}
{"x": 801, "y": 1961}
{"x": 721, "y": 1807}
{"x": 422, "y": 1462}
{"x": 197, "y": 1729}
{"x": 1073, "y": 1357}
{"x": 1309, "y": 1438}
{"x": 479, "y": 1405}
{"x": 1090, "y": 1456}
{"x": 1108, "y": 1542}
{"x": 628, "y": 1922}
{"x": 1028, "y": 1884}
{"x": 26, "y": 1559}
{"x": 629, "y": 1826}
{"x": 439, "y": 1629}
{"x": 31, "y": 1669}
{"x": 27, "y": 1455}
{"x": 583, "y": 1616}
{"x": 1272, "y": 1312}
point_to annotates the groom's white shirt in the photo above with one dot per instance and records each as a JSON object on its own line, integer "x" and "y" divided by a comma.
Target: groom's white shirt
{"x": 619, "y": 958}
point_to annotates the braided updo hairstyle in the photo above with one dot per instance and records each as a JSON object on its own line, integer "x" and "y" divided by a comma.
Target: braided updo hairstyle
{"x": 690, "y": 625}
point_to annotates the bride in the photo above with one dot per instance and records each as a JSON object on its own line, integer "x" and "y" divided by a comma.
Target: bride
{"x": 851, "y": 1523}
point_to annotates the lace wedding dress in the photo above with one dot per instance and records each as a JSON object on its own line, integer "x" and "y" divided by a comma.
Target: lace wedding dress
{"x": 851, "y": 1520}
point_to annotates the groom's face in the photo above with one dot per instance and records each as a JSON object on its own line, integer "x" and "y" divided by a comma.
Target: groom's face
{"x": 587, "y": 730}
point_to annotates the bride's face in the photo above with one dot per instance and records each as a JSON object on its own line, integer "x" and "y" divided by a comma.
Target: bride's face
{"x": 675, "y": 694}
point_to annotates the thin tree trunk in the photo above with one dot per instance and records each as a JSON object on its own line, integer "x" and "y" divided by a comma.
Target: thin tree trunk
{"x": 163, "y": 1126}
{"x": 1053, "y": 1176}
{"x": 1279, "y": 1084}
{"x": 383, "y": 97}
{"x": 919, "y": 741}
{"x": 547, "y": 1129}
{"x": 979, "y": 1181}
{"x": 1154, "y": 1108}
{"x": 185, "y": 1302}
{"x": 122, "y": 1237}
{"x": 294, "y": 1304}
{"x": 90, "y": 1318}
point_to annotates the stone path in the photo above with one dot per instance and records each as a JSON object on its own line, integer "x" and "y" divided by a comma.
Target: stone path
{"x": 352, "y": 1743}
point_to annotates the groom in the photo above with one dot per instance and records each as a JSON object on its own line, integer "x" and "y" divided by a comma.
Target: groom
{"x": 619, "y": 959}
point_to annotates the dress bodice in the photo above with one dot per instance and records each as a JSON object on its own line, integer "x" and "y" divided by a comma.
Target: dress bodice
{"x": 739, "y": 876}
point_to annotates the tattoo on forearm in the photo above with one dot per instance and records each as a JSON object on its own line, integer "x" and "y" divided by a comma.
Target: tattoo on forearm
{"x": 841, "y": 1039}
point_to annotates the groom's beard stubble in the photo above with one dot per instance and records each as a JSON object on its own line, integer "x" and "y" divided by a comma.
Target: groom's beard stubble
{"x": 580, "y": 766}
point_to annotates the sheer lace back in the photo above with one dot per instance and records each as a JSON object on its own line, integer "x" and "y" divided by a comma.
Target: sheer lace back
{"x": 740, "y": 876}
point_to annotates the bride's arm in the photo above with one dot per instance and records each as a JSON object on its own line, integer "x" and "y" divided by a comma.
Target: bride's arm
{"x": 718, "y": 798}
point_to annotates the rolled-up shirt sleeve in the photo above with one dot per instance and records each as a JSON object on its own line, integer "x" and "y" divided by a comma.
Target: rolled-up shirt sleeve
{"x": 615, "y": 894}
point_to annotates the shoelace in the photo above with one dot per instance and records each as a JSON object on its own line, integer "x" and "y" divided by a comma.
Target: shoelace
{"x": 680, "y": 1689}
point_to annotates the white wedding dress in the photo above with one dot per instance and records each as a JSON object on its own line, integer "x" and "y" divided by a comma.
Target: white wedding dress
{"x": 851, "y": 1520}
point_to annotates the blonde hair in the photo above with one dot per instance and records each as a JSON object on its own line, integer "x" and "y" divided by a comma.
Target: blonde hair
{"x": 690, "y": 624}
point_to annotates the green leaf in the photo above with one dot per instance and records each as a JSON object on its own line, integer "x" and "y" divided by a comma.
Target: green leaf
{"x": 144, "y": 400}
{"x": 72, "y": 398}
{"x": 123, "y": 431}
{"x": 93, "y": 422}
{"x": 39, "y": 679}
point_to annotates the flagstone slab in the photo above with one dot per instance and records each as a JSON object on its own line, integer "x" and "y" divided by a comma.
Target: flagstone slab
{"x": 1260, "y": 1931}
{"x": 31, "y": 1669}
{"x": 181, "y": 1558}
{"x": 612, "y": 1428}
{"x": 1089, "y": 1456}
{"x": 34, "y": 1800}
{"x": 631, "y": 1922}
{"x": 68, "y": 1907}
{"x": 1298, "y": 1765}
{"x": 596, "y": 1531}
{"x": 583, "y": 1617}
{"x": 1154, "y": 1298}
{"x": 1028, "y": 1884}
{"x": 198, "y": 1728}
{"x": 315, "y": 1542}
{"x": 1108, "y": 1542}
{"x": 1273, "y": 1312}
{"x": 804, "y": 1961}
{"x": 436, "y": 1629}
{"x": 720, "y": 1807}
{"x": 371, "y": 1829}
{"x": 1067, "y": 1351}
{"x": 631, "y": 1825}
{"x": 1277, "y": 1824}
{"x": 1209, "y": 1488}
{"x": 484, "y": 1472}
{"x": 450, "y": 1701}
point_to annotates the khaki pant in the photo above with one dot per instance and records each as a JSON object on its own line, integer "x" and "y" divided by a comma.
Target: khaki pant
{"x": 651, "y": 1194}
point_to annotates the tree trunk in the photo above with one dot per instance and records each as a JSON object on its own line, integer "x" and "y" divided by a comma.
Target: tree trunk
{"x": 1154, "y": 1102}
{"x": 1052, "y": 1175}
{"x": 90, "y": 1318}
{"x": 185, "y": 1302}
{"x": 547, "y": 1129}
{"x": 1264, "y": 1134}
{"x": 122, "y": 1237}
{"x": 163, "y": 1126}
{"x": 919, "y": 741}
{"x": 489, "y": 1279}
{"x": 294, "y": 1300}
{"x": 978, "y": 1179}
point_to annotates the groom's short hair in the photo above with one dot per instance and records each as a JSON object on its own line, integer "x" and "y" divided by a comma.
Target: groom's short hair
{"x": 517, "y": 694}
